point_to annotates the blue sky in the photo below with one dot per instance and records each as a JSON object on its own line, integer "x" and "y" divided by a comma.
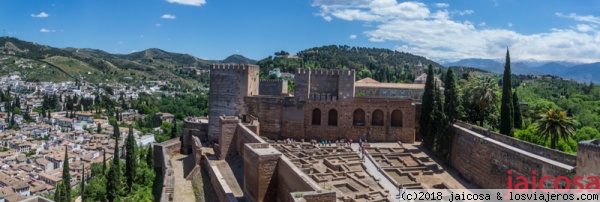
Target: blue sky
{"x": 210, "y": 29}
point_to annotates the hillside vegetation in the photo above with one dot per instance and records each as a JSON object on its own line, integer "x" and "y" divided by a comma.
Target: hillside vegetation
{"x": 380, "y": 64}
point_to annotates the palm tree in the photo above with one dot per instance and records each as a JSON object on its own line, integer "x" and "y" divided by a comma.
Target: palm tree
{"x": 483, "y": 93}
{"x": 554, "y": 125}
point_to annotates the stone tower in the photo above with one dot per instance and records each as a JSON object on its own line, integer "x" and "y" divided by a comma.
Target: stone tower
{"x": 229, "y": 84}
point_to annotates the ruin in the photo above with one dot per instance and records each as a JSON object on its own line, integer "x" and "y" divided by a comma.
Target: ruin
{"x": 269, "y": 145}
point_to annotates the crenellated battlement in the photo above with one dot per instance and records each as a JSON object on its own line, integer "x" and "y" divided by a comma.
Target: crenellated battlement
{"x": 271, "y": 80}
{"x": 300, "y": 71}
{"x": 242, "y": 67}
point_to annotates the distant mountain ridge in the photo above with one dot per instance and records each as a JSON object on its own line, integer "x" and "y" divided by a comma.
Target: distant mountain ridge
{"x": 569, "y": 70}
{"x": 100, "y": 66}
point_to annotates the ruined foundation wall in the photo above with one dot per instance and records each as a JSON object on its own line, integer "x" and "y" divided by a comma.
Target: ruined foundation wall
{"x": 485, "y": 163}
{"x": 291, "y": 179}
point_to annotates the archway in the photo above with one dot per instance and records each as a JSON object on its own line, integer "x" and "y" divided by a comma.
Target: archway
{"x": 358, "y": 117}
{"x": 397, "y": 118}
{"x": 316, "y": 117}
{"x": 377, "y": 118}
{"x": 332, "y": 118}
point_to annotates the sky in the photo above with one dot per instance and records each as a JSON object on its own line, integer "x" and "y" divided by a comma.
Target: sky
{"x": 210, "y": 29}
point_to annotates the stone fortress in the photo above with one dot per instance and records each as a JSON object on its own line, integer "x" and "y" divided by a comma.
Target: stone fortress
{"x": 240, "y": 144}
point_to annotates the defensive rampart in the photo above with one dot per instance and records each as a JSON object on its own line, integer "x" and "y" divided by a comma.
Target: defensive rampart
{"x": 484, "y": 158}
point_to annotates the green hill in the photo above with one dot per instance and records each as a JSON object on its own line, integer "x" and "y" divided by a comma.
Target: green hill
{"x": 380, "y": 64}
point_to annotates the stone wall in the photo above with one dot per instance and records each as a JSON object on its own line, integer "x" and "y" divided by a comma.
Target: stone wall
{"x": 229, "y": 84}
{"x": 485, "y": 161}
{"x": 192, "y": 127}
{"x": 268, "y": 110}
{"x": 346, "y": 127}
{"x": 162, "y": 160}
{"x": 227, "y": 128}
{"x": 533, "y": 148}
{"x": 222, "y": 190}
{"x": 588, "y": 159}
{"x": 260, "y": 172}
{"x": 292, "y": 180}
{"x": 273, "y": 87}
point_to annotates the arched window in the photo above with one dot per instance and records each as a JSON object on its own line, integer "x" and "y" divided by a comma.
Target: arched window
{"x": 377, "y": 118}
{"x": 316, "y": 117}
{"x": 332, "y": 117}
{"x": 397, "y": 118}
{"x": 358, "y": 117}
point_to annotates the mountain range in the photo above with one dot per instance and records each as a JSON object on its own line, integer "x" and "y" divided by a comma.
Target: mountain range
{"x": 575, "y": 71}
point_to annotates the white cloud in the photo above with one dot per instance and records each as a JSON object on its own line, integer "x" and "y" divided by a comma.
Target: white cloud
{"x": 353, "y": 36}
{"x": 168, "y": 16}
{"x": 465, "y": 12}
{"x": 510, "y": 24}
{"x": 157, "y": 24}
{"x": 120, "y": 42}
{"x": 581, "y": 18}
{"x": 188, "y": 2}
{"x": 41, "y": 15}
{"x": 441, "y": 5}
{"x": 435, "y": 34}
{"x": 45, "y": 30}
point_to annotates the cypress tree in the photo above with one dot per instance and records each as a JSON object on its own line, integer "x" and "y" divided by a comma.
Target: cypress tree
{"x": 426, "y": 109}
{"x": 439, "y": 125}
{"x": 83, "y": 183}
{"x": 116, "y": 131}
{"x": 99, "y": 129}
{"x": 58, "y": 192}
{"x": 43, "y": 112}
{"x": 150, "y": 157}
{"x": 103, "y": 161}
{"x": 451, "y": 101}
{"x": 506, "y": 107}
{"x": 66, "y": 178}
{"x": 174, "y": 130}
{"x": 130, "y": 159}
{"x": 518, "y": 116}
{"x": 114, "y": 175}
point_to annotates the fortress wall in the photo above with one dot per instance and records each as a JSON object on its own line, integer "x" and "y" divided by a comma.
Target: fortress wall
{"x": 229, "y": 84}
{"x": 222, "y": 190}
{"x": 533, "y": 148}
{"x": 345, "y": 125}
{"x": 273, "y": 87}
{"x": 588, "y": 158}
{"x": 302, "y": 84}
{"x": 162, "y": 160}
{"x": 324, "y": 81}
{"x": 260, "y": 172}
{"x": 243, "y": 136}
{"x": 346, "y": 84}
{"x": 268, "y": 109}
{"x": 292, "y": 119}
{"x": 484, "y": 162}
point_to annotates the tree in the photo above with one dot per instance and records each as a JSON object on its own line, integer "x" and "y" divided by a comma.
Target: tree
{"x": 426, "y": 109}
{"x": 518, "y": 117}
{"x": 483, "y": 95}
{"x": 555, "y": 125}
{"x": 116, "y": 131}
{"x": 451, "y": 101}
{"x": 103, "y": 161}
{"x": 114, "y": 175}
{"x": 99, "y": 129}
{"x": 66, "y": 178}
{"x": 130, "y": 159}
{"x": 174, "y": 130}
{"x": 82, "y": 185}
{"x": 58, "y": 192}
{"x": 150, "y": 156}
{"x": 440, "y": 124}
{"x": 506, "y": 106}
